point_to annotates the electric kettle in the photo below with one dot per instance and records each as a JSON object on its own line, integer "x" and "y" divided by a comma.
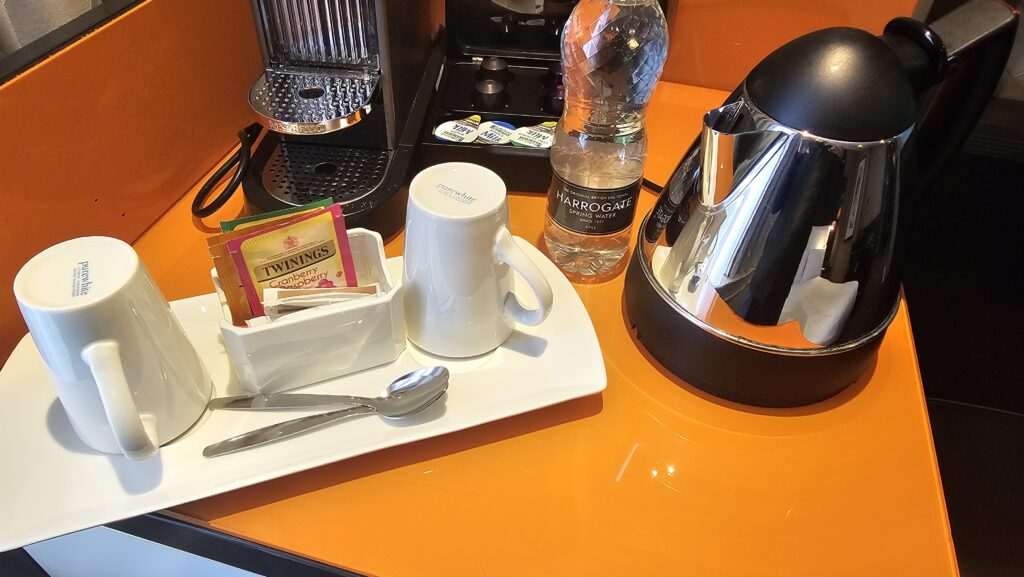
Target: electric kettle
{"x": 768, "y": 270}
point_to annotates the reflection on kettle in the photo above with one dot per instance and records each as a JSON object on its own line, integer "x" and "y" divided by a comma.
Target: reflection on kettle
{"x": 786, "y": 227}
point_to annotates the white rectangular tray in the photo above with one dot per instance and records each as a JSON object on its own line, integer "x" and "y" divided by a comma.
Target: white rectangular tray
{"x": 53, "y": 484}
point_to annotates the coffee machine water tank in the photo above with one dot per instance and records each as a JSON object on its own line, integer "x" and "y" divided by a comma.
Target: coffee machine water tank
{"x": 767, "y": 273}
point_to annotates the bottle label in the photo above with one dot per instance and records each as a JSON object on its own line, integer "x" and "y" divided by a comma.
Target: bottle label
{"x": 593, "y": 211}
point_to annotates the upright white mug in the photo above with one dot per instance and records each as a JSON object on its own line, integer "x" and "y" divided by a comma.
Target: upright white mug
{"x": 127, "y": 375}
{"x": 458, "y": 259}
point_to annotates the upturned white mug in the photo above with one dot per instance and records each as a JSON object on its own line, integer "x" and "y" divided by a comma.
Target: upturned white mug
{"x": 459, "y": 256}
{"x": 127, "y": 375}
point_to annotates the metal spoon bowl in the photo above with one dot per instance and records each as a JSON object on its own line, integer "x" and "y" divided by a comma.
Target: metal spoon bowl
{"x": 413, "y": 392}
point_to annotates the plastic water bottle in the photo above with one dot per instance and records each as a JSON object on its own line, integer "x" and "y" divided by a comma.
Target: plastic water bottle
{"x": 613, "y": 52}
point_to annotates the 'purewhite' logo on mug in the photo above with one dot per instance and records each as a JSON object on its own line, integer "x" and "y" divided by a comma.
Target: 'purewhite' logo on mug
{"x": 80, "y": 282}
{"x": 463, "y": 197}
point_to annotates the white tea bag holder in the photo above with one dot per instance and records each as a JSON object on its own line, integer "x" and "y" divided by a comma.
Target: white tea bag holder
{"x": 325, "y": 342}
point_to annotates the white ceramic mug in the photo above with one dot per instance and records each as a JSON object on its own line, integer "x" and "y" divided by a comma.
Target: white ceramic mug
{"x": 127, "y": 375}
{"x": 458, "y": 259}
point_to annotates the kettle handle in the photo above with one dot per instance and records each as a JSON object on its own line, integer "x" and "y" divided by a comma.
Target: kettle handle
{"x": 966, "y": 52}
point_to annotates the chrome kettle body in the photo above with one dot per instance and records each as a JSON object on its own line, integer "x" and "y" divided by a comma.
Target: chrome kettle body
{"x": 767, "y": 272}
{"x": 785, "y": 231}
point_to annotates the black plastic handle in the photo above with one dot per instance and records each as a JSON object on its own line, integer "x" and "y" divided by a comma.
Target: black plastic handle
{"x": 975, "y": 24}
{"x": 967, "y": 52}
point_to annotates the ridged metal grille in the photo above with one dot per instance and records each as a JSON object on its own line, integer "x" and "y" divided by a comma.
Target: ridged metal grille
{"x": 322, "y": 33}
{"x": 311, "y": 103}
{"x": 298, "y": 172}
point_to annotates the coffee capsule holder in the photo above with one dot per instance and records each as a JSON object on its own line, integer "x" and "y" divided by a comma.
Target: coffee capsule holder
{"x": 522, "y": 102}
{"x": 324, "y": 342}
{"x": 519, "y": 54}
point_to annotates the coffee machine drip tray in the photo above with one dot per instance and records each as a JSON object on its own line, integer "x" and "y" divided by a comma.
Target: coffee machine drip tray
{"x": 299, "y": 172}
{"x": 303, "y": 102}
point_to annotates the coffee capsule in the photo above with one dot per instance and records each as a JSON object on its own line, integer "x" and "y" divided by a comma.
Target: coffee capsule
{"x": 496, "y": 132}
{"x": 489, "y": 95}
{"x": 555, "y": 103}
{"x": 463, "y": 130}
{"x": 494, "y": 68}
{"x": 540, "y": 136}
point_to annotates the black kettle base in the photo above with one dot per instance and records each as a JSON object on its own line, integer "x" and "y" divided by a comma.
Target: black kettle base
{"x": 732, "y": 371}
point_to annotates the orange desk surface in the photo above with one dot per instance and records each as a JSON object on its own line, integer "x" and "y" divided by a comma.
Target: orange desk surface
{"x": 652, "y": 477}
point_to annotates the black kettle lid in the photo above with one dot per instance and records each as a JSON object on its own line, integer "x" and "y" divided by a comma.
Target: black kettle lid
{"x": 836, "y": 83}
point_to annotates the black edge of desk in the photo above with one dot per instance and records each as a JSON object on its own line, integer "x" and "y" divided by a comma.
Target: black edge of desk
{"x": 224, "y": 548}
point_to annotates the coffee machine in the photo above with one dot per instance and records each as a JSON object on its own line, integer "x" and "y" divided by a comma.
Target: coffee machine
{"x": 344, "y": 89}
{"x": 768, "y": 271}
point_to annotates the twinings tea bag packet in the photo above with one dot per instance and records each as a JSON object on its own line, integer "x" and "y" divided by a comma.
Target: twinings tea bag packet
{"x": 231, "y": 286}
{"x": 227, "y": 274}
{"x": 311, "y": 251}
{"x": 266, "y": 217}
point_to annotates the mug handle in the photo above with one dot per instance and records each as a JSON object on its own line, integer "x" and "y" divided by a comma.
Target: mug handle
{"x": 507, "y": 251}
{"x": 133, "y": 436}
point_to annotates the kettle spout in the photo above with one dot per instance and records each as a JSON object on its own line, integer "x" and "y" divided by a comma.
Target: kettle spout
{"x": 735, "y": 147}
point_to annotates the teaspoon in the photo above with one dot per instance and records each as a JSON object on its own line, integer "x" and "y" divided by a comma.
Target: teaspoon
{"x": 286, "y": 401}
{"x": 404, "y": 397}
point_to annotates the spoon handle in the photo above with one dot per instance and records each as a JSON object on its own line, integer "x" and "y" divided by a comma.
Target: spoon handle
{"x": 280, "y": 401}
{"x": 284, "y": 430}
